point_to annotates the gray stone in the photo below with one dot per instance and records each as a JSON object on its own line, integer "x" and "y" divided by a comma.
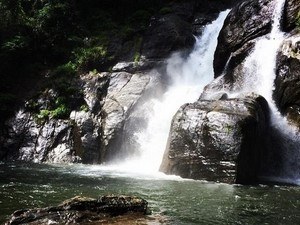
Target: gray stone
{"x": 81, "y": 210}
{"x": 218, "y": 140}
{"x": 246, "y": 21}
{"x": 125, "y": 92}
{"x": 74, "y": 139}
{"x": 287, "y": 82}
{"x": 291, "y": 11}
{"x": 165, "y": 35}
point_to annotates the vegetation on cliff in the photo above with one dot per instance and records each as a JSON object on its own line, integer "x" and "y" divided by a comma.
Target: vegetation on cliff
{"x": 52, "y": 40}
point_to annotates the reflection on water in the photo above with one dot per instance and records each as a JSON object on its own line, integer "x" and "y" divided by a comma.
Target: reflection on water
{"x": 182, "y": 201}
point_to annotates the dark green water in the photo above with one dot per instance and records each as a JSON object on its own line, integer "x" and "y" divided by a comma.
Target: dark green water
{"x": 181, "y": 201}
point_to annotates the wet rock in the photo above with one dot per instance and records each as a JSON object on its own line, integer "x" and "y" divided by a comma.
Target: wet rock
{"x": 87, "y": 124}
{"x": 69, "y": 140}
{"x": 80, "y": 210}
{"x": 165, "y": 35}
{"x": 291, "y": 11}
{"x": 246, "y": 21}
{"x": 218, "y": 140}
{"x": 30, "y": 141}
{"x": 287, "y": 82}
{"x": 125, "y": 92}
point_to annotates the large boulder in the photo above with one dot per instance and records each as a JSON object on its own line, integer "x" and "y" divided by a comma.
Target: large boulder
{"x": 287, "y": 82}
{"x": 246, "y": 21}
{"x": 125, "y": 92}
{"x": 80, "y": 210}
{"x": 218, "y": 140}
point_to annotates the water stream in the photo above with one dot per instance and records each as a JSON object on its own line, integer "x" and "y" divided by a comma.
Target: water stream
{"x": 177, "y": 201}
{"x": 188, "y": 76}
{"x": 259, "y": 70}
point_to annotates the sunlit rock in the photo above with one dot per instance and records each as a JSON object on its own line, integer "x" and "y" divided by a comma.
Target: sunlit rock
{"x": 125, "y": 92}
{"x": 220, "y": 140}
{"x": 287, "y": 83}
{"x": 246, "y": 22}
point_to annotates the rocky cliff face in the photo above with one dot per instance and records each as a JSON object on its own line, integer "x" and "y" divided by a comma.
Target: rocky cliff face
{"x": 105, "y": 111}
{"x": 216, "y": 138}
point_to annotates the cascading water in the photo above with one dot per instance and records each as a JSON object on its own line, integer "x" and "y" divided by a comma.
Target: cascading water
{"x": 188, "y": 77}
{"x": 259, "y": 70}
{"x": 259, "y": 67}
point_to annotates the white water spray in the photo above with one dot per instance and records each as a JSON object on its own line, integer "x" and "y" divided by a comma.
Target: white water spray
{"x": 188, "y": 78}
{"x": 260, "y": 65}
{"x": 259, "y": 70}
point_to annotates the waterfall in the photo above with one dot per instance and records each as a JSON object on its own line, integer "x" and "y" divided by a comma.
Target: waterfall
{"x": 259, "y": 67}
{"x": 188, "y": 76}
{"x": 259, "y": 72}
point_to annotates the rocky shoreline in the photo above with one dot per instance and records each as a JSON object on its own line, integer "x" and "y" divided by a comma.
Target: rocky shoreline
{"x": 81, "y": 210}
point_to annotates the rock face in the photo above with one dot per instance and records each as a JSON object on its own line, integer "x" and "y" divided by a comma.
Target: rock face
{"x": 165, "y": 35}
{"x": 287, "y": 82}
{"x": 291, "y": 11}
{"x": 75, "y": 139}
{"x": 81, "y": 210}
{"x": 219, "y": 140}
{"x": 30, "y": 141}
{"x": 93, "y": 133}
{"x": 247, "y": 21}
{"x": 125, "y": 92}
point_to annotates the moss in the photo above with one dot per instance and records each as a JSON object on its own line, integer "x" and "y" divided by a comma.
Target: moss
{"x": 84, "y": 108}
{"x": 89, "y": 58}
{"x": 137, "y": 50}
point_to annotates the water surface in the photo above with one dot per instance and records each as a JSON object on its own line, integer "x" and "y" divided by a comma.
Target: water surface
{"x": 181, "y": 201}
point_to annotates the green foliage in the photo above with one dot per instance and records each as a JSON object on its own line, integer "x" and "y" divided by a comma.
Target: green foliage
{"x": 89, "y": 58}
{"x": 84, "y": 108}
{"x": 43, "y": 115}
{"x": 61, "y": 112}
{"x": 64, "y": 37}
{"x": 12, "y": 13}
{"x": 66, "y": 70}
{"x": 15, "y": 43}
{"x": 58, "y": 109}
{"x": 137, "y": 49}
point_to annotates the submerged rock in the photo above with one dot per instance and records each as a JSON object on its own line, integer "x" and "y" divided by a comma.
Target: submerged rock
{"x": 220, "y": 140}
{"x": 80, "y": 210}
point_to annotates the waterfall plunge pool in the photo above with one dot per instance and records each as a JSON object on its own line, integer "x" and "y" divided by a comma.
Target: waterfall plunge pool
{"x": 179, "y": 201}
